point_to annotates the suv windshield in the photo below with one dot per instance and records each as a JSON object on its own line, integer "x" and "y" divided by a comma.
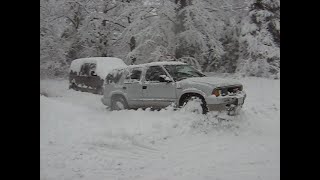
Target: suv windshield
{"x": 180, "y": 72}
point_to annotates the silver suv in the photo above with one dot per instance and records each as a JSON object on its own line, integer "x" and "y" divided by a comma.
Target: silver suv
{"x": 160, "y": 84}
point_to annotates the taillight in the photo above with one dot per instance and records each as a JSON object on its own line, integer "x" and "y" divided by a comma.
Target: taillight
{"x": 216, "y": 92}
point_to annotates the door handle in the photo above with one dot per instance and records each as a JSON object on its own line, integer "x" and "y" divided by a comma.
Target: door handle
{"x": 144, "y": 87}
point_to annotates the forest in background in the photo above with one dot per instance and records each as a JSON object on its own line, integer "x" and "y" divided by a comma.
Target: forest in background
{"x": 227, "y": 36}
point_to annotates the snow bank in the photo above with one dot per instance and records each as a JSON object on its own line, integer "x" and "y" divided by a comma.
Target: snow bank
{"x": 255, "y": 105}
{"x": 80, "y": 139}
{"x": 53, "y": 88}
{"x": 146, "y": 124}
{"x": 104, "y": 64}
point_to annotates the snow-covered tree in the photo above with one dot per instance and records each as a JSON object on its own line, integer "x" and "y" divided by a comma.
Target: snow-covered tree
{"x": 231, "y": 12}
{"x": 147, "y": 30}
{"x": 52, "y": 47}
{"x": 97, "y": 29}
{"x": 260, "y": 40}
{"x": 164, "y": 30}
{"x": 205, "y": 33}
{"x": 197, "y": 32}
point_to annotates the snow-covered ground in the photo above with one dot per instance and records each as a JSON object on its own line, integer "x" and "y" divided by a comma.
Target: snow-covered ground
{"x": 80, "y": 139}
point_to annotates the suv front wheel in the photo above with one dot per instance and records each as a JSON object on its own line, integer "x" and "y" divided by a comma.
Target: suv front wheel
{"x": 195, "y": 104}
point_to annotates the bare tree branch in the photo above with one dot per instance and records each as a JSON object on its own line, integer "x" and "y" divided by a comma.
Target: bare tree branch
{"x": 114, "y": 23}
{"x": 169, "y": 18}
{"x": 105, "y": 11}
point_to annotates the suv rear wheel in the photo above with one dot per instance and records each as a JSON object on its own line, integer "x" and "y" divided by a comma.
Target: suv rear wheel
{"x": 118, "y": 103}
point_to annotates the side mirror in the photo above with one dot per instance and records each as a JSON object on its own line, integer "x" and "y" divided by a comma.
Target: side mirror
{"x": 164, "y": 78}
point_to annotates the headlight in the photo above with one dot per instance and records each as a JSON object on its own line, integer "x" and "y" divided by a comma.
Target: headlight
{"x": 216, "y": 92}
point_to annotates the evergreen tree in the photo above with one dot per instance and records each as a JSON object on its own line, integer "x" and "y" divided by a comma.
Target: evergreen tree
{"x": 260, "y": 40}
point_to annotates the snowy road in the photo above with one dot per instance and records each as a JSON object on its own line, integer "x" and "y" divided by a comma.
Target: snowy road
{"x": 80, "y": 139}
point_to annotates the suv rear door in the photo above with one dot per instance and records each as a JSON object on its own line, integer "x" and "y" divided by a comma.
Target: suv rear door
{"x": 155, "y": 93}
{"x": 132, "y": 86}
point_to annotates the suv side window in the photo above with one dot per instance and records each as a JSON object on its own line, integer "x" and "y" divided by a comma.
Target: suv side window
{"x": 153, "y": 73}
{"x": 134, "y": 75}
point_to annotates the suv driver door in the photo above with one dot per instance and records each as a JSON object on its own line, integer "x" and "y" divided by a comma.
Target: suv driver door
{"x": 155, "y": 93}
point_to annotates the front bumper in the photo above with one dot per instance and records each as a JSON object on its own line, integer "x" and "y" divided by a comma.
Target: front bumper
{"x": 223, "y": 103}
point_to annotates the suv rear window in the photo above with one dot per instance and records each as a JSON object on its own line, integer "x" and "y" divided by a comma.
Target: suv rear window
{"x": 133, "y": 76}
{"x": 114, "y": 76}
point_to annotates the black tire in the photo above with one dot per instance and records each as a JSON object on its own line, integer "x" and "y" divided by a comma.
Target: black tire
{"x": 118, "y": 103}
{"x": 194, "y": 97}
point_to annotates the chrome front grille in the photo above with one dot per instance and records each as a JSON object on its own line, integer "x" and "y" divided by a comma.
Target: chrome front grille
{"x": 230, "y": 90}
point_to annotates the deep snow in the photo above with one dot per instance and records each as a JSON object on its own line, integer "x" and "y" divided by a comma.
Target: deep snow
{"x": 80, "y": 139}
